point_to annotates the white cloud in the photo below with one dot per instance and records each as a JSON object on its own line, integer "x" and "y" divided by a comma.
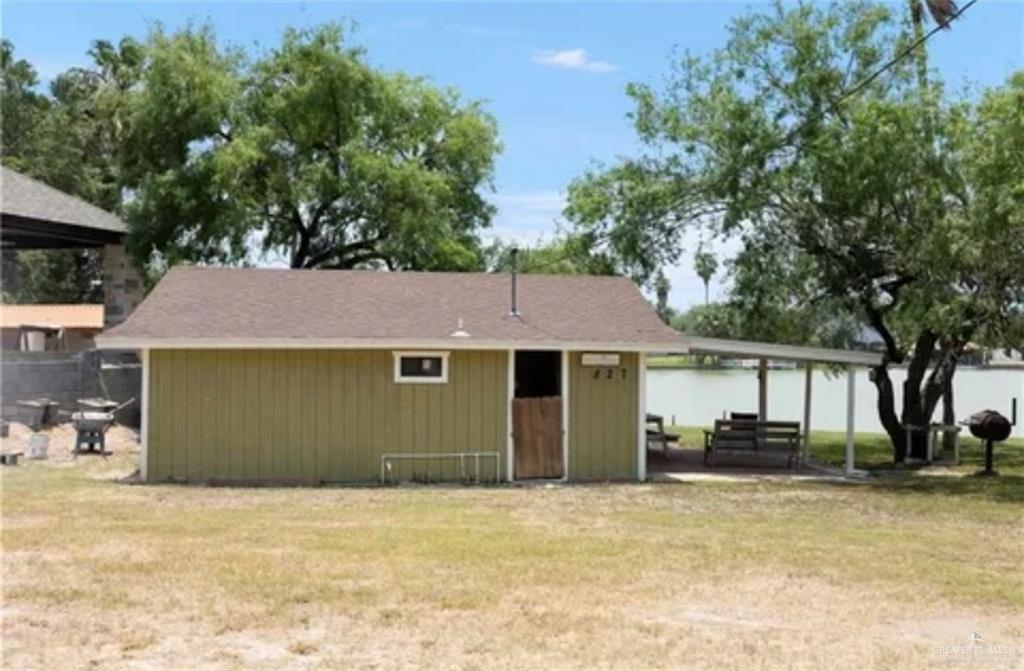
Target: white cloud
{"x": 571, "y": 59}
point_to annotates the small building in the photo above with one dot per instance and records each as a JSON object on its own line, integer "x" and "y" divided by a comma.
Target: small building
{"x": 260, "y": 375}
{"x": 50, "y": 328}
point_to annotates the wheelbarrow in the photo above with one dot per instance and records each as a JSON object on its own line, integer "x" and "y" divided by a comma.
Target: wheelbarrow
{"x": 91, "y": 427}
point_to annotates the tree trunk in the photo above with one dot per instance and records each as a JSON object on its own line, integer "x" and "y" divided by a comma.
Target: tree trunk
{"x": 887, "y": 412}
{"x": 916, "y": 413}
{"x": 948, "y": 416}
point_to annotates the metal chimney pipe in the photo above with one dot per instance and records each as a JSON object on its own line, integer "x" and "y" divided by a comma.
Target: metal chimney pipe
{"x": 515, "y": 268}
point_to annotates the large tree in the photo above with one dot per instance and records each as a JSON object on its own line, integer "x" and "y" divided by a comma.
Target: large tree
{"x": 896, "y": 207}
{"x": 304, "y": 151}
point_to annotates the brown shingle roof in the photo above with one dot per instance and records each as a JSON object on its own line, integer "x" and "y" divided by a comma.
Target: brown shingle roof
{"x": 218, "y": 306}
{"x": 23, "y": 196}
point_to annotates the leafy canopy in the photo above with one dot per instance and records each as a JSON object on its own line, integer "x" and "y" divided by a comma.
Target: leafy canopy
{"x": 894, "y": 207}
{"x": 305, "y": 151}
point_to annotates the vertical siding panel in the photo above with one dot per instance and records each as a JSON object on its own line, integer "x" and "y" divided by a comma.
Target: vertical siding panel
{"x": 487, "y": 381}
{"x": 420, "y": 438}
{"x": 173, "y": 426}
{"x": 364, "y": 434}
{"x": 307, "y": 425}
{"x": 361, "y": 459}
{"x": 475, "y": 406}
{"x": 174, "y": 460}
{"x": 297, "y": 435}
{"x": 369, "y": 438}
{"x": 265, "y": 414}
{"x": 447, "y": 412}
{"x": 278, "y": 396}
{"x": 200, "y": 461}
{"x": 349, "y": 407}
{"x": 311, "y": 401}
{"x": 238, "y": 375}
{"x": 339, "y": 445}
{"x": 381, "y": 425}
{"x": 220, "y": 424}
{"x": 406, "y": 414}
{"x": 434, "y": 426}
{"x": 158, "y": 441}
{"x": 580, "y": 417}
{"x": 266, "y": 364}
{"x": 462, "y": 394}
{"x": 603, "y": 421}
{"x": 606, "y": 396}
{"x": 338, "y": 454}
{"x": 494, "y": 380}
{"x": 211, "y": 432}
{"x": 154, "y": 415}
{"x": 192, "y": 417}
{"x": 315, "y": 393}
{"x": 594, "y": 422}
{"x": 503, "y": 408}
{"x": 346, "y": 413}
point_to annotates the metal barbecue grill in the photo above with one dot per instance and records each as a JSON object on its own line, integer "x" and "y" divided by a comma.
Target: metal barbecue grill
{"x": 991, "y": 427}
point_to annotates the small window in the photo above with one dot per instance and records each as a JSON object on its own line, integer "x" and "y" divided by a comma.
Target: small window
{"x": 426, "y": 367}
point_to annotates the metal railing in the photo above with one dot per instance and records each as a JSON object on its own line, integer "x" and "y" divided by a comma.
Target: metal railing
{"x": 387, "y": 463}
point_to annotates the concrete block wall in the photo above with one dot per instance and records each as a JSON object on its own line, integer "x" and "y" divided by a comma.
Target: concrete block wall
{"x": 65, "y": 378}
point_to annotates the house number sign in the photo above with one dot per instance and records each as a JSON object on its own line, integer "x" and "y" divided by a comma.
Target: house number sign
{"x": 600, "y": 360}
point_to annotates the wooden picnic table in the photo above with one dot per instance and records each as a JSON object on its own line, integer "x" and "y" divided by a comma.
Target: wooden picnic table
{"x": 658, "y": 434}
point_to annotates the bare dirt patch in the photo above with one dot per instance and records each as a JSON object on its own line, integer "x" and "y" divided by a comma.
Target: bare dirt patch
{"x": 119, "y": 440}
{"x": 763, "y": 575}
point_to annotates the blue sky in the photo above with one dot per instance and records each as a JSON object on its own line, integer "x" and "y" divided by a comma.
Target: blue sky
{"x": 552, "y": 74}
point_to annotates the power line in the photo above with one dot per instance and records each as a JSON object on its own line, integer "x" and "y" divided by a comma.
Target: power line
{"x": 862, "y": 84}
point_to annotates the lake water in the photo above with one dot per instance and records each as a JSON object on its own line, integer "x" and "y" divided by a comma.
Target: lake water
{"x": 698, "y": 397}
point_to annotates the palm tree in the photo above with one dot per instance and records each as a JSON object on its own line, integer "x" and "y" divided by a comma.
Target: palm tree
{"x": 705, "y": 264}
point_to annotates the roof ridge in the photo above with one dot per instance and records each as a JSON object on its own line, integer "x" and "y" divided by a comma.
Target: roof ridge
{"x": 392, "y": 273}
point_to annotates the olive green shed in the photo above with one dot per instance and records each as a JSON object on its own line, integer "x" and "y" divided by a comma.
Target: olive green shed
{"x": 318, "y": 415}
{"x": 603, "y": 418}
{"x": 297, "y": 376}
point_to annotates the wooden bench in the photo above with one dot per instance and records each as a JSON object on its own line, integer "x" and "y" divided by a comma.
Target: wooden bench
{"x": 730, "y": 435}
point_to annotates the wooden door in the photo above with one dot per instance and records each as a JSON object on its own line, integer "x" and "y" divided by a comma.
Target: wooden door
{"x": 537, "y": 436}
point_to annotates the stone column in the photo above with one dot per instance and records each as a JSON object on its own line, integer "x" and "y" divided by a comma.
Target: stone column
{"x": 122, "y": 285}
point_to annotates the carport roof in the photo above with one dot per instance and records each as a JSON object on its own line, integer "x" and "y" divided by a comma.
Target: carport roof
{"x": 38, "y": 216}
{"x": 760, "y": 350}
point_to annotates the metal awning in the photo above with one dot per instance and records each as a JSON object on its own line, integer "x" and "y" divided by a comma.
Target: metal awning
{"x": 747, "y": 349}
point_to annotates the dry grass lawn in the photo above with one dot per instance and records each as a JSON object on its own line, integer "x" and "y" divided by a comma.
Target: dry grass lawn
{"x": 99, "y": 574}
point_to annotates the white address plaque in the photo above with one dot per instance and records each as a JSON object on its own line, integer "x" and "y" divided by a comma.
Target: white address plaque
{"x": 603, "y": 360}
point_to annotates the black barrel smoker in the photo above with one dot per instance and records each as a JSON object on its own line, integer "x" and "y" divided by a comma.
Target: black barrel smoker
{"x": 991, "y": 427}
